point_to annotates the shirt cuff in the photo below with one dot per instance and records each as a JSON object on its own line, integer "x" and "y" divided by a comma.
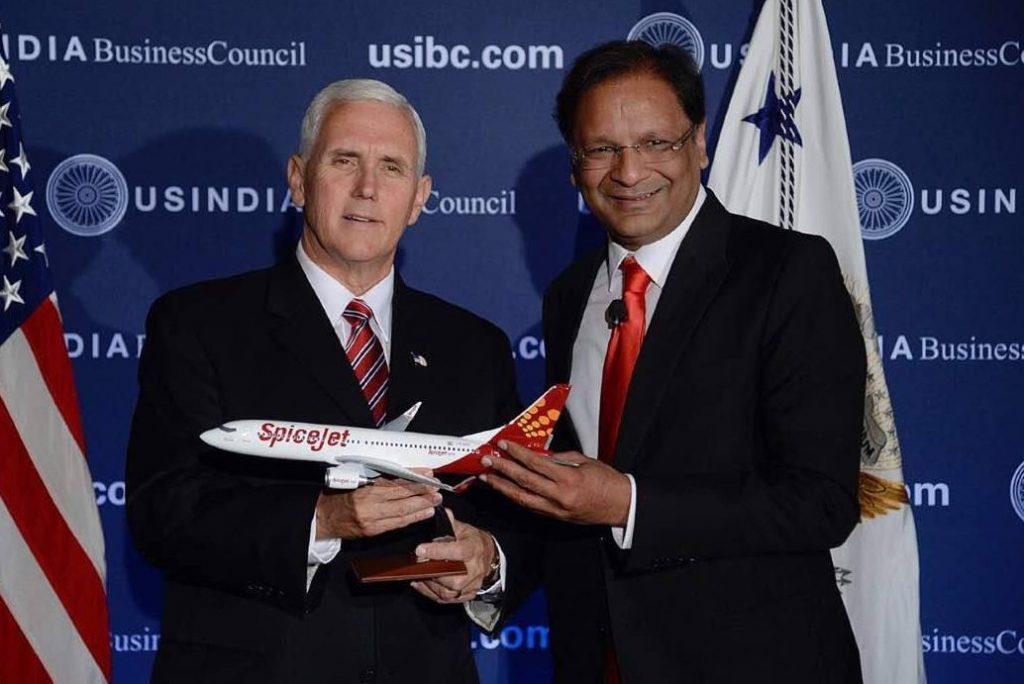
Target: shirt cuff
{"x": 485, "y": 609}
{"x": 321, "y": 550}
{"x": 318, "y": 552}
{"x": 623, "y": 536}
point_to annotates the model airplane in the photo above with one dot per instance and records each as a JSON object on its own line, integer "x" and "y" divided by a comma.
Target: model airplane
{"x": 357, "y": 455}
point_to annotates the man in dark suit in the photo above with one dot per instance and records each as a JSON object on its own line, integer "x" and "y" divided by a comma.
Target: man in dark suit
{"x": 714, "y": 422}
{"x": 256, "y": 552}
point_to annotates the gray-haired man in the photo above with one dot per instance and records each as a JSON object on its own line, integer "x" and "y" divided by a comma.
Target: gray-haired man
{"x": 256, "y": 554}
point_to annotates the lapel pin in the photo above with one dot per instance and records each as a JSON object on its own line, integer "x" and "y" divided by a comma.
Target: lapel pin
{"x": 418, "y": 360}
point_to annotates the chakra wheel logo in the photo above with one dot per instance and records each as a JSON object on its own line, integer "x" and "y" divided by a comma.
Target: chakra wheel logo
{"x": 87, "y": 195}
{"x": 1017, "y": 491}
{"x": 664, "y": 28}
{"x": 885, "y": 198}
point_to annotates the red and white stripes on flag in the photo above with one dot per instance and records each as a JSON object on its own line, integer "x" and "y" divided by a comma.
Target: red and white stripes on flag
{"x": 53, "y": 607}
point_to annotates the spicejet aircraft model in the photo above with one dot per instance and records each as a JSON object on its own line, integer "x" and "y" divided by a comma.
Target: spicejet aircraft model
{"x": 357, "y": 455}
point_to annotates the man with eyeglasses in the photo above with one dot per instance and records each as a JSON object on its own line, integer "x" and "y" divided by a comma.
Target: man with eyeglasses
{"x": 709, "y": 458}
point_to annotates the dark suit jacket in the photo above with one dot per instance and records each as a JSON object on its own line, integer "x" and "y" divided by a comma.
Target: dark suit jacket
{"x": 231, "y": 533}
{"x": 742, "y": 429}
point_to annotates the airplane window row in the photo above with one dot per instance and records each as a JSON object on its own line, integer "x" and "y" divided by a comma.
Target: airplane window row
{"x": 396, "y": 444}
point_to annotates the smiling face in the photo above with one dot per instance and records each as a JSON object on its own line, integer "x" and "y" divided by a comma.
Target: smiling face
{"x": 359, "y": 190}
{"x": 636, "y": 201}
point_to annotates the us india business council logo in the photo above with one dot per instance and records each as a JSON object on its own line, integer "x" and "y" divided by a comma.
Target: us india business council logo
{"x": 665, "y": 27}
{"x": 87, "y": 195}
{"x": 1017, "y": 491}
{"x": 885, "y": 198}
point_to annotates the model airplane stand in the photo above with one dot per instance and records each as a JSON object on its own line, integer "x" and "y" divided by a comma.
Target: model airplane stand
{"x": 405, "y": 566}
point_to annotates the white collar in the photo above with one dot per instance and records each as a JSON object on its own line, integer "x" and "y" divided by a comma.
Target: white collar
{"x": 656, "y": 258}
{"x": 334, "y": 296}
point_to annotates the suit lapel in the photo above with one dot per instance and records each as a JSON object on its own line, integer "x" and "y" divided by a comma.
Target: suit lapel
{"x": 578, "y": 292}
{"x": 566, "y": 321}
{"x": 299, "y": 324}
{"x": 410, "y": 370}
{"x": 696, "y": 274}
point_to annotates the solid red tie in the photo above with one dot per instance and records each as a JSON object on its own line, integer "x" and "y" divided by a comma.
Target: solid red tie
{"x": 623, "y": 348}
{"x": 619, "y": 361}
{"x": 366, "y": 355}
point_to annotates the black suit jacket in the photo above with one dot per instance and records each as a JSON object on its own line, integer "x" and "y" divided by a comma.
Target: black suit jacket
{"x": 231, "y": 533}
{"x": 741, "y": 427}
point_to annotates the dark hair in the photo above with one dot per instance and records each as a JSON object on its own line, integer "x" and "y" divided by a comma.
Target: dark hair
{"x": 618, "y": 58}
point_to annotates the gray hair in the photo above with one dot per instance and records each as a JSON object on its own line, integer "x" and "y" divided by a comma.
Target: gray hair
{"x": 359, "y": 90}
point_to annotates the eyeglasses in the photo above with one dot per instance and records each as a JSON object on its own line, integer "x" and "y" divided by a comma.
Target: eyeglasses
{"x": 650, "y": 151}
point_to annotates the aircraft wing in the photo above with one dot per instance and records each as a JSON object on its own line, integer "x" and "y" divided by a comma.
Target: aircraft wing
{"x": 395, "y": 470}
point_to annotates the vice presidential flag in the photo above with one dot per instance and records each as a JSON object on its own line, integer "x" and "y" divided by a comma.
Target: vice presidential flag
{"x": 783, "y": 157}
{"x": 53, "y": 610}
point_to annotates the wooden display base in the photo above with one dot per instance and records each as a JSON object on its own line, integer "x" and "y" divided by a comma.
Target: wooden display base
{"x": 404, "y": 568}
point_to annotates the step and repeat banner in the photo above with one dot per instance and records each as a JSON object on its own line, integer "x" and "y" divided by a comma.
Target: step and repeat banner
{"x": 162, "y": 131}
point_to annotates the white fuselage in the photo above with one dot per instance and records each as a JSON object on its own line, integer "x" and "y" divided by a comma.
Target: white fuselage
{"x": 336, "y": 443}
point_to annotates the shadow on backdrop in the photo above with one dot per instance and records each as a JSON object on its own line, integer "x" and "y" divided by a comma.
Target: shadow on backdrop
{"x": 554, "y": 233}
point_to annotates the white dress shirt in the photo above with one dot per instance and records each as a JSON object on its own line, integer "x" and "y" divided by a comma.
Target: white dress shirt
{"x": 588, "y": 352}
{"x": 334, "y": 297}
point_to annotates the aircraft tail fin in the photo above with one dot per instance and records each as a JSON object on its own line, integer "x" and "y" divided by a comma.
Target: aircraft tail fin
{"x": 533, "y": 427}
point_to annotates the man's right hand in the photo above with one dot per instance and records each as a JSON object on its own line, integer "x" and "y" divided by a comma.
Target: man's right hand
{"x": 375, "y": 509}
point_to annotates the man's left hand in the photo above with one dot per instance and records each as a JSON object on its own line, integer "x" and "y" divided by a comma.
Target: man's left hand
{"x": 472, "y": 546}
{"x": 579, "y": 489}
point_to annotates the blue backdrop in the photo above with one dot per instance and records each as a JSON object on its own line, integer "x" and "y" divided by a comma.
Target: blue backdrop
{"x": 191, "y": 112}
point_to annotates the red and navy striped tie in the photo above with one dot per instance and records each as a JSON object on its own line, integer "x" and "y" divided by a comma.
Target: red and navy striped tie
{"x": 366, "y": 355}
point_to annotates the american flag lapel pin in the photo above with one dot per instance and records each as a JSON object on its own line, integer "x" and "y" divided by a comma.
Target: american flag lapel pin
{"x": 418, "y": 360}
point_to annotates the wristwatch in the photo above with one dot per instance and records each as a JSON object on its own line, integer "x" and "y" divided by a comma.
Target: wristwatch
{"x": 493, "y": 572}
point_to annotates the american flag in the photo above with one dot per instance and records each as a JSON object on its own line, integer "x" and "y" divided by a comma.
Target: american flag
{"x": 53, "y": 604}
